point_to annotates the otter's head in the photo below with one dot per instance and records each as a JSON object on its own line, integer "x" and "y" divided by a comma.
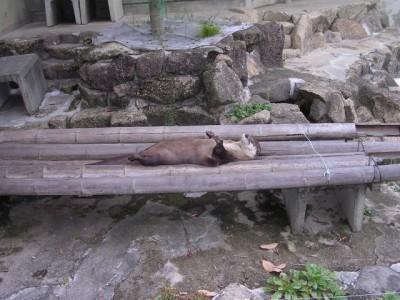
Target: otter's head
{"x": 250, "y": 145}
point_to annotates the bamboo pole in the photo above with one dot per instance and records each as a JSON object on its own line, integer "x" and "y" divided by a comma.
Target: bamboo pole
{"x": 155, "y": 134}
{"x": 198, "y": 183}
{"x": 106, "y": 151}
{"x": 74, "y": 169}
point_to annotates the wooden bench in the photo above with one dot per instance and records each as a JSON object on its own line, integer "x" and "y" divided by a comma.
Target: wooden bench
{"x": 26, "y": 71}
{"x": 55, "y": 162}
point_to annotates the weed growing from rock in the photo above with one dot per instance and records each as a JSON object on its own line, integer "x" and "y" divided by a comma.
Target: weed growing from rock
{"x": 208, "y": 29}
{"x": 240, "y": 112}
{"x": 312, "y": 282}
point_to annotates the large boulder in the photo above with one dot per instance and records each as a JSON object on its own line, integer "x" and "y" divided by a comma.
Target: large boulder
{"x": 250, "y": 35}
{"x": 222, "y": 86}
{"x": 169, "y": 89}
{"x": 128, "y": 119}
{"x": 150, "y": 64}
{"x": 254, "y": 65}
{"x": 326, "y": 103}
{"x": 239, "y": 60}
{"x": 91, "y": 118}
{"x": 194, "y": 115}
{"x": 284, "y": 113}
{"x": 272, "y": 90}
{"x": 192, "y": 61}
{"x": 271, "y": 45}
{"x": 349, "y": 29}
{"x": 105, "y": 74}
{"x": 302, "y": 34}
{"x": 276, "y": 16}
{"x": 384, "y": 105}
{"x": 104, "y": 51}
{"x": 354, "y": 12}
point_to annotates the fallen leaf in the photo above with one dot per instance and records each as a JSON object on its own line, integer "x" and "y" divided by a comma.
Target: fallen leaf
{"x": 269, "y": 246}
{"x": 61, "y": 251}
{"x": 281, "y": 266}
{"x": 270, "y": 267}
{"x": 207, "y": 293}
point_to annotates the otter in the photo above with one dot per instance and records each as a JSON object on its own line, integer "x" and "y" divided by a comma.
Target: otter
{"x": 208, "y": 152}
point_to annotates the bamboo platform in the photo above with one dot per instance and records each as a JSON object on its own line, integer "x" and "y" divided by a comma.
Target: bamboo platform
{"x": 56, "y": 162}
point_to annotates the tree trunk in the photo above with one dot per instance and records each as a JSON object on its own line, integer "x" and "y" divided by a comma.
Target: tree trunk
{"x": 156, "y": 18}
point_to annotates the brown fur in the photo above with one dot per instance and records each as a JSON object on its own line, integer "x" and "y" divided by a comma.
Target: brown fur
{"x": 208, "y": 152}
{"x": 211, "y": 152}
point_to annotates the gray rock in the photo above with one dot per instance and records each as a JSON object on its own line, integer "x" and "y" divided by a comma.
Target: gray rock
{"x": 318, "y": 41}
{"x": 128, "y": 119}
{"x": 191, "y": 62}
{"x": 322, "y": 19}
{"x": 381, "y": 78}
{"x": 378, "y": 279}
{"x": 332, "y": 37}
{"x": 60, "y": 69}
{"x": 384, "y": 105}
{"x": 239, "y": 58}
{"x": 250, "y": 35}
{"x": 105, "y": 51}
{"x": 373, "y": 21}
{"x": 150, "y": 64}
{"x": 124, "y": 67}
{"x": 254, "y": 65}
{"x": 26, "y": 46}
{"x": 291, "y": 53}
{"x": 92, "y": 98}
{"x": 262, "y": 117}
{"x": 251, "y": 14}
{"x": 104, "y": 75}
{"x": 354, "y": 12}
{"x": 271, "y": 45}
{"x": 327, "y": 103}
{"x": 302, "y": 34}
{"x": 364, "y": 114}
{"x": 195, "y": 115}
{"x": 161, "y": 115}
{"x": 287, "y": 27}
{"x": 276, "y": 16}
{"x": 62, "y": 51}
{"x": 284, "y": 113}
{"x": 170, "y": 89}
{"x": 288, "y": 42}
{"x": 235, "y": 291}
{"x": 350, "y": 111}
{"x": 222, "y": 86}
{"x": 349, "y": 29}
{"x": 273, "y": 90}
{"x": 91, "y": 118}
{"x": 58, "y": 122}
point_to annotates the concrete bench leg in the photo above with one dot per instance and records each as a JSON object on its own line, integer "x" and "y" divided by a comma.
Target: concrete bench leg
{"x": 116, "y": 10}
{"x": 352, "y": 201}
{"x": 296, "y": 204}
{"x": 53, "y": 12}
{"x": 4, "y": 92}
{"x": 26, "y": 70}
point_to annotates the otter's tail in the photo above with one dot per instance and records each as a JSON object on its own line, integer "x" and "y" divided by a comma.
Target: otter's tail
{"x": 118, "y": 160}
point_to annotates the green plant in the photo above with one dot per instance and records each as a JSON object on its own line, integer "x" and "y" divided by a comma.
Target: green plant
{"x": 208, "y": 29}
{"x": 391, "y": 296}
{"x": 240, "y": 112}
{"x": 312, "y": 282}
{"x": 367, "y": 211}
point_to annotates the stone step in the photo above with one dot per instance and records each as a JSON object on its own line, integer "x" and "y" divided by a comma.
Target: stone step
{"x": 62, "y": 51}
{"x": 64, "y": 85}
{"x": 60, "y": 69}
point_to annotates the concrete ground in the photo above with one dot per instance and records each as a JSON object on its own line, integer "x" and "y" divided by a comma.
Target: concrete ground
{"x": 135, "y": 247}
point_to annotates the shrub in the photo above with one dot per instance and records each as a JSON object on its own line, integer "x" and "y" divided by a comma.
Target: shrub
{"x": 311, "y": 282}
{"x": 240, "y": 112}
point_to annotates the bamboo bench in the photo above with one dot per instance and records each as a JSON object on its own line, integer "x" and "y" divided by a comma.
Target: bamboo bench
{"x": 55, "y": 162}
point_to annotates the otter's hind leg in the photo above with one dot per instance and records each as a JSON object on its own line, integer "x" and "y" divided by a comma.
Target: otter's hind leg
{"x": 147, "y": 160}
{"x": 220, "y": 152}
